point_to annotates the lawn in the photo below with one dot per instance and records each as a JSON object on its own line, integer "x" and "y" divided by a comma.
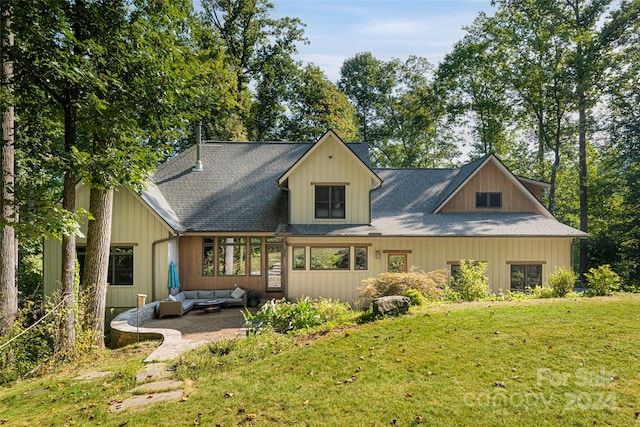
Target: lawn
{"x": 531, "y": 362}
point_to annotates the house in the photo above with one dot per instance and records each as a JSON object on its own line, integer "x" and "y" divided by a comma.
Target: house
{"x": 315, "y": 219}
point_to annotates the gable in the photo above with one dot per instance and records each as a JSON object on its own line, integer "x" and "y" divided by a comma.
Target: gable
{"x": 330, "y": 158}
{"x": 493, "y": 177}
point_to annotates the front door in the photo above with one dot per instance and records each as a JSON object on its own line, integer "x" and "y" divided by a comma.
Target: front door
{"x": 397, "y": 263}
{"x": 274, "y": 264}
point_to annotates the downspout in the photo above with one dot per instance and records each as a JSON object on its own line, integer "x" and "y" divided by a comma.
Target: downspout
{"x": 153, "y": 263}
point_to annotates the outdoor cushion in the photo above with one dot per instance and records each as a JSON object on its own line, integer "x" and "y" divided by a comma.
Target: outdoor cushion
{"x": 205, "y": 294}
{"x": 225, "y": 293}
{"x": 191, "y": 294}
{"x": 180, "y": 296}
{"x": 237, "y": 293}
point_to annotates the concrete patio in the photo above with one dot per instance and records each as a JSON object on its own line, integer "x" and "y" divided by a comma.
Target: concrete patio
{"x": 197, "y": 325}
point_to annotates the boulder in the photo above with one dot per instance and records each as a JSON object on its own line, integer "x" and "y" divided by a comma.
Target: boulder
{"x": 393, "y": 305}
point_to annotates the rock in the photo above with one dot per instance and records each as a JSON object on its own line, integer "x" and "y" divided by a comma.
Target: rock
{"x": 392, "y": 305}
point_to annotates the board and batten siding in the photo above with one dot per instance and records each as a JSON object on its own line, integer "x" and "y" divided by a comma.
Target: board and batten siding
{"x": 330, "y": 163}
{"x": 491, "y": 179}
{"x": 134, "y": 224}
{"x": 426, "y": 254}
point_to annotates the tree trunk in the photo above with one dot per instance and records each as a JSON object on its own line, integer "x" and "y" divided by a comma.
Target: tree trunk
{"x": 8, "y": 241}
{"x": 65, "y": 341}
{"x": 96, "y": 264}
{"x": 582, "y": 158}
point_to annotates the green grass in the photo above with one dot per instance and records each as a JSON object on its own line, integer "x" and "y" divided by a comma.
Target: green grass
{"x": 531, "y": 362}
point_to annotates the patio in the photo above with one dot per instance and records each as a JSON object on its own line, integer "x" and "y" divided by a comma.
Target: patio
{"x": 198, "y": 325}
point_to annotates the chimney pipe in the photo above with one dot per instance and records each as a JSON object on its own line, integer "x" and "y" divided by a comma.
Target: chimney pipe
{"x": 198, "y": 167}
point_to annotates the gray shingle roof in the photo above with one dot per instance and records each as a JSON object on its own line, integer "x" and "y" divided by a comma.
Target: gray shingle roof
{"x": 238, "y": 191}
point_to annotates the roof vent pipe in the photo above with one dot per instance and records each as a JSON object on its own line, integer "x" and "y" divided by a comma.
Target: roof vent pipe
{"x": 198, "y": 167}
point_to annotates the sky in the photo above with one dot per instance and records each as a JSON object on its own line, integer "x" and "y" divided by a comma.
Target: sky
{"x": 338, "y": 30}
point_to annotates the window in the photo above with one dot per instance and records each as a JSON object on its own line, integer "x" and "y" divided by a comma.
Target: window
{"x": 256, "y": 256}
{"x": 397, "y": 263}
{"x": 232, "y": 257}
{"x": 489, "y": 200}
{"x": 208, "y": 260}
{"x": 299, "y": 258}
{"x": 329, "y": 258}
{"x": 455, "y": 270}
{"x": 525, "y": 276}
{"x": 330, "y": 201}
{"x": 274, "y": 264}
{"x": 120, "y": 265}
{"x": 360, "y": 255}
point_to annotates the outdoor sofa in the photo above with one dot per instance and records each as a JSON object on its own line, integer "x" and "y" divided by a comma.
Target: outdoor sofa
{"x": 182, "y": 302}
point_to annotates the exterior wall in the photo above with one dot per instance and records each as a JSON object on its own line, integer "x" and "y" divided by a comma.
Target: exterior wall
{"x": 330, "y": 163}
{"x": 427, "y": 254}
{"x": 190, "y": 269}
{"x": 491, "y": 179}
{"x": 134, "y": 224}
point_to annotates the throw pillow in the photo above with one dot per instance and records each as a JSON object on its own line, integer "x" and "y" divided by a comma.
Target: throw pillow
{"x": 171, "y": 298}
{"x": 237, "y": 293}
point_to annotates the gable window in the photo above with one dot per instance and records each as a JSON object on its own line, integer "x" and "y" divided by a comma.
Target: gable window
{"x": 489, "y": 200}
{"x": 330, "y": 201}
{"x": 120, "y": 265}
{"x": 525, "y": 276}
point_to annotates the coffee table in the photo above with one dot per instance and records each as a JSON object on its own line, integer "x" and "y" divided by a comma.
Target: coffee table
{"x": 210, "y": 306}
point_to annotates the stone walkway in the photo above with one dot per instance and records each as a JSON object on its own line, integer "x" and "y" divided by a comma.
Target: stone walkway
{"x": 180, "y": 334}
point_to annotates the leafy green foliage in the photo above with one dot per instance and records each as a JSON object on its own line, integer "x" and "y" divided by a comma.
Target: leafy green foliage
{"x": 430, "y": 285}
{"x": 562, "y": 281}
{"x": 282, "y": 316}
{"x": 540, "y": 292}
{"x": 471, "y": 282}
{"x": 415, "y": 296}
{"x": 602, "y": 281}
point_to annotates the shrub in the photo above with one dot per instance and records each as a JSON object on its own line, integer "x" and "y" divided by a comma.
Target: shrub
{"x": 282, "y": 316}
{"x": 602, "y": 281}
{"x": 430, "y": 285}
{"x": 471, "y": 282}
{"x": 542, "y": 292}
{"x": 562, "y": 281}
{"x": 415, "y": 296}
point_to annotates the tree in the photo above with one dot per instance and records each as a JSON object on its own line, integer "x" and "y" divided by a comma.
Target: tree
{"x": 368, "y": 83}
{"x": 133, "y": 116}
{"x": 316, "y": 105}
{"x": 259, "y": 50}
{"x": 468, "y": 82}
{"x": 8, "y": 241}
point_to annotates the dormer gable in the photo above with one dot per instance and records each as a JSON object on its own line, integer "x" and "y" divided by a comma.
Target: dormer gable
{"x": 329, "y": 184}
{"x": 491, "y": 187}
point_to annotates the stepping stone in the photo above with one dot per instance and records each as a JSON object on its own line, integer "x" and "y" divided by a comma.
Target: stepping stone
{"x": 142, "y": 400}
{"x": 157, "y": 386}
{"x": 152, "y": 372}
{"x": 93, "y": 375}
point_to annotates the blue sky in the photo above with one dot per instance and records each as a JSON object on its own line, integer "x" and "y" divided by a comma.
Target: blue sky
{"x": 338, "y": 30}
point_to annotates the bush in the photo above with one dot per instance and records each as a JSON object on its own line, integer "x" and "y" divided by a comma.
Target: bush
{"x": 471, "y": 282}
{"x": 430, "y": 285}
{"x": 562, "y": 281}
{"x": 282, "y": 316}
{"x": 602, "y": 281}
{"x": 542, "y": 292}
{"x": 415, "y": 296}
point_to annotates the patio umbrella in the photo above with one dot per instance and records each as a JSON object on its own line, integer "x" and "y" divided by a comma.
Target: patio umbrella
{"x": 173, "y": 282}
